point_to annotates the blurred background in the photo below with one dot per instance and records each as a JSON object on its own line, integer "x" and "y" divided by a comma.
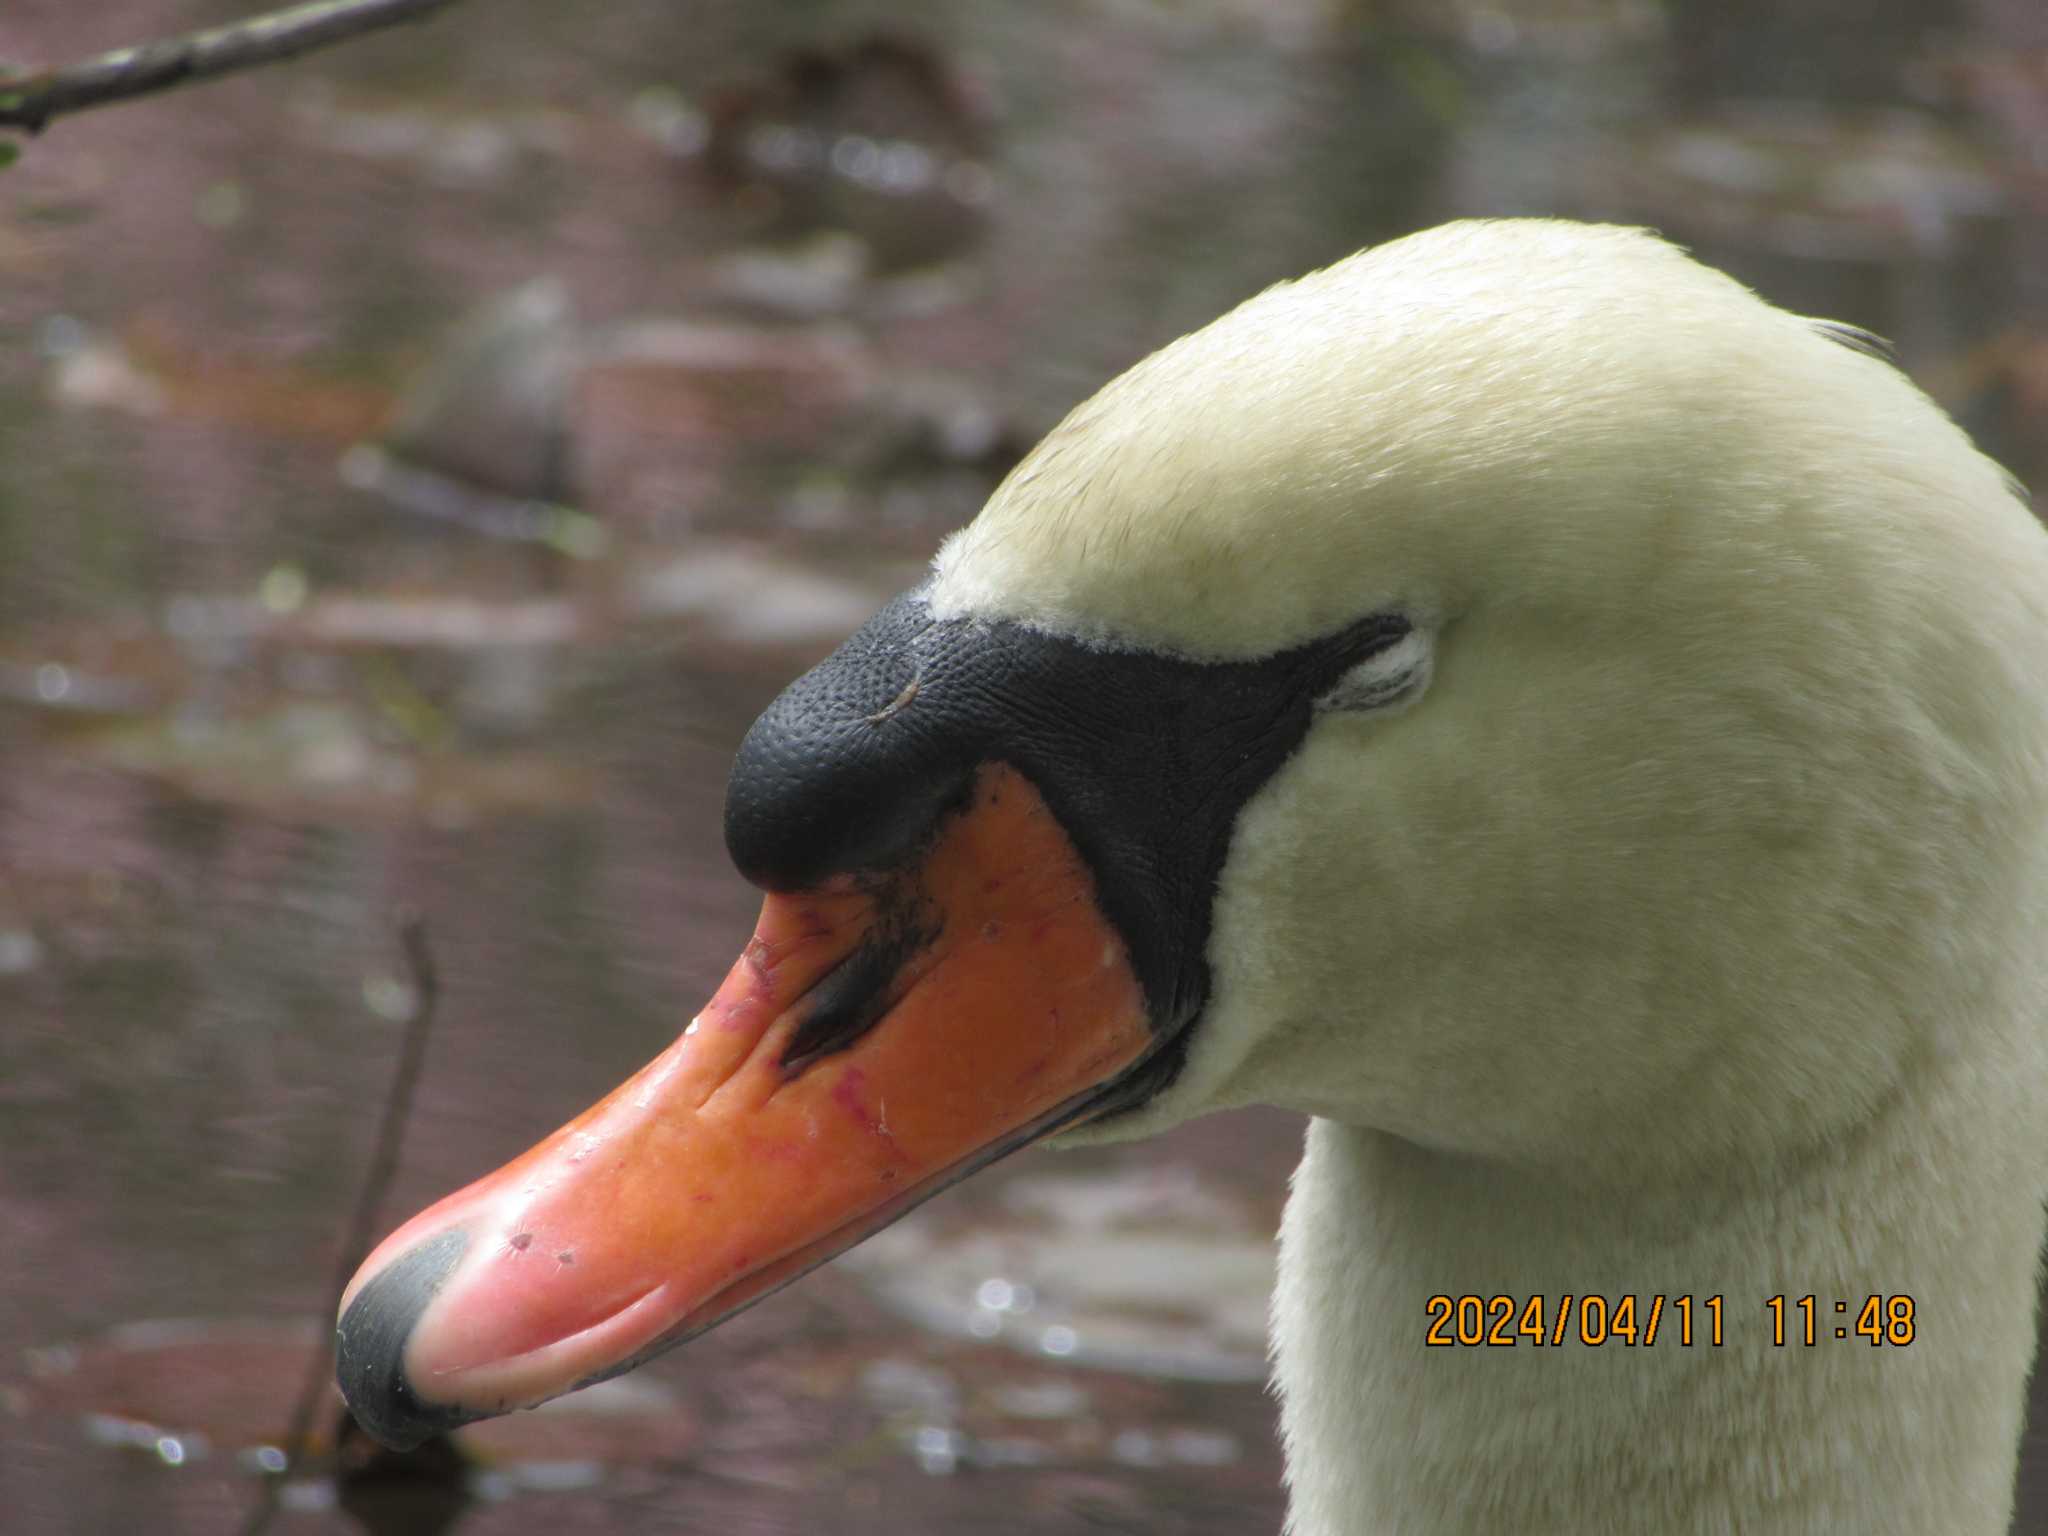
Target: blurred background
{"x": 419, "y": 462}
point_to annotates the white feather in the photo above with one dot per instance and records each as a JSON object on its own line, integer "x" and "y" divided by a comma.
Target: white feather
{"x": 1688, "y": 936}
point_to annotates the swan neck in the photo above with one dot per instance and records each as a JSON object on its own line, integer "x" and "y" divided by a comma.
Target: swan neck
{"x": 1389, "y": 1432}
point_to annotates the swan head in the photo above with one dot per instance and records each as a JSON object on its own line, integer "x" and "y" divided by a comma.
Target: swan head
{"x": 1472, "y": 692}
{"x": 1665, "y": 835}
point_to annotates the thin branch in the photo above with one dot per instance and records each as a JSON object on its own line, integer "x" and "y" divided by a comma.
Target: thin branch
{"x": 412, "y": 1053}
{"x": 29, "y": 100}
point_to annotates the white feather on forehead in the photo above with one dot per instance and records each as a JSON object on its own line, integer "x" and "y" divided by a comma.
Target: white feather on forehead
{"x": 1490, "y": 411}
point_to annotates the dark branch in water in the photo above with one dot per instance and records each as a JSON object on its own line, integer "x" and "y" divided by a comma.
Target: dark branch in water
{"x": 362, "y": 1227}
{"x": 30, "y": 99}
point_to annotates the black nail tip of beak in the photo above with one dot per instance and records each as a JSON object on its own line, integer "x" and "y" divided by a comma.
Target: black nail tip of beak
{"x": 370, "y": 1339}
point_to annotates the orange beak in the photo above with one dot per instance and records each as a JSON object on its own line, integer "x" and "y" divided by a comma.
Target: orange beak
{"x": 877, "y": 1040}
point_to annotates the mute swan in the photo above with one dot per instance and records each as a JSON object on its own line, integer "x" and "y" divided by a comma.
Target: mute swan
{"x": 1579, "y": 733}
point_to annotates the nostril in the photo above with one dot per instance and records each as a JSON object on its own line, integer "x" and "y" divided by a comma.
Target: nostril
{"x": 850, "y": 999}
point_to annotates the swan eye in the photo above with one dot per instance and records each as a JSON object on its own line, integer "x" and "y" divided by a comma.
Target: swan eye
{"x": 1390, "y": 679}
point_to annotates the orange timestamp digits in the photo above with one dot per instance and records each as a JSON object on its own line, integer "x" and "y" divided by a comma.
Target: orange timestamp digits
{"x": 1808, "y": 1320}
{"x": 1498, "y": 1321}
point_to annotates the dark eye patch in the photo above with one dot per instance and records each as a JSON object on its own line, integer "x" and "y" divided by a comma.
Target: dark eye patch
{"x": 1146, "y": 760}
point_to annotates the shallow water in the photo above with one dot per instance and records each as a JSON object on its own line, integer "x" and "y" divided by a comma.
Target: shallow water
{"x": 262, "y": 689}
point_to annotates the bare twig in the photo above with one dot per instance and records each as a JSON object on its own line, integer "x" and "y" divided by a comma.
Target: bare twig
{"x": 30, "y": 99}
{"x": 412, "y": 1051}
